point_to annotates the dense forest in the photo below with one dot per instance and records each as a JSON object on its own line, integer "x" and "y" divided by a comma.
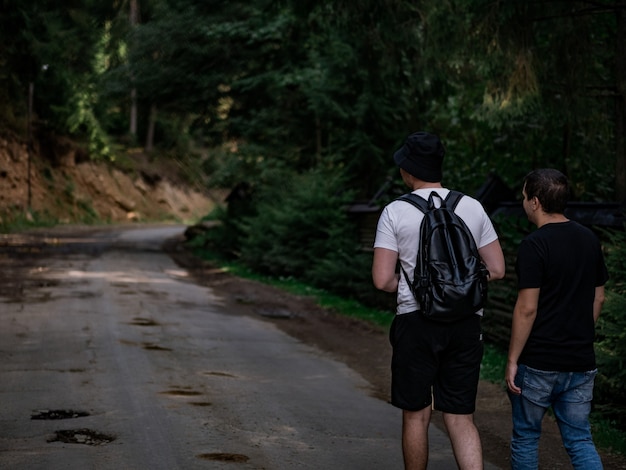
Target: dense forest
{"x": 330, "y": 85}
{"x": 298, "y": 106}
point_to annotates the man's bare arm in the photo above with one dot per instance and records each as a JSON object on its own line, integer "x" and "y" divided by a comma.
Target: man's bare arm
{"x": 493, "y": 258}
{"x": 384, "y": 270}
{"x": 524, "y": 315}
{"x": 598, "y": 301}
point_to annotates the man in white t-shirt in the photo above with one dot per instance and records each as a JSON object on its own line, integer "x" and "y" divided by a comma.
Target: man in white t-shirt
{"x": 434, "y": 365}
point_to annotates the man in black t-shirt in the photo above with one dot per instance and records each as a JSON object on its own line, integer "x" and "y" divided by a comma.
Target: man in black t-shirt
{"x": 551, "y": 363}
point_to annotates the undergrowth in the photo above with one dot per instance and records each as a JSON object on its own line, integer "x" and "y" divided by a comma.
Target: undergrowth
{"x": 12, "y": 221}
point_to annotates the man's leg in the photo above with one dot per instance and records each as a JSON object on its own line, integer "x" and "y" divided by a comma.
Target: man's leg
{"x": 571, "y": 409}
{"x": 415, "y": 438}
{"x": 527, "y": 411}
{"x": 465, "y": 441}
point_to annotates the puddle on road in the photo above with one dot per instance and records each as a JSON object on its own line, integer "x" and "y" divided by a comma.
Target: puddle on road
{"x": 224, "y": 457}
{"x": 57, "y": 414}
{"x": 81, "y": 436}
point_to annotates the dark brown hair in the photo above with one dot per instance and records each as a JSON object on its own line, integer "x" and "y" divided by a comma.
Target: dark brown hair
{"x": 550, "y": 186}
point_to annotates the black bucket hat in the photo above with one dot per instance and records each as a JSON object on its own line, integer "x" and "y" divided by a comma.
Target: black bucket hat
{"x": 421, "y": 156}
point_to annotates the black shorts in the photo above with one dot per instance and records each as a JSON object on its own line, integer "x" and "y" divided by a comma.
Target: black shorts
{"x": 433, "y": 360}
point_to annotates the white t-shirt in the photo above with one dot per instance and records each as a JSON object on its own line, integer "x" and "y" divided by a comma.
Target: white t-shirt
{"x": 399, "y": 230}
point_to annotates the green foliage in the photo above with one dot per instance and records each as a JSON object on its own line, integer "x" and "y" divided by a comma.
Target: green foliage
{"x": 615, "y": 249}
{"x": 517, "y": 98}
{"x": 611, "y": 349}
{"x": 493, "y": 364}
{"x": 85, "y": 212}
{"x": 50, "y": 50}
{"x": 503, "y": 293}
{"x": 607, "y": 434}
{"x": 17, "y": 220}
{"x": 611, "y": 333}
{"x": 297, "y": 227}
{"x": 83, "y": 121}
{"x": 300, "y": 225}
{"x": 224, "y": 238}
{"x": 333, "y": 84}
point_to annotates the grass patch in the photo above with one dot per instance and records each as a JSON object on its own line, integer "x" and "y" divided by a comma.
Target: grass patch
{"x": 493, "y": 365}
{"x": 607, "y": 436}
{"x": 18, "y": 220}
{"x": 323, "y": 298}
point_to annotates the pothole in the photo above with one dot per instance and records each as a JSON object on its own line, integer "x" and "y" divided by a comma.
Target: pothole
{"x": 181, "y": 393}
{"x": 85, "y": 295}
{"x": 57, "y": 414}
{"x": 154, "y": 347}
{"x": 224, "y": 457}
{"x": 246, "y": 300}
{"x": 143, "y": 322}
{"x": 280, "y": 313}
{"x": 82, "y": 436}
{"x": 219, "y": 374}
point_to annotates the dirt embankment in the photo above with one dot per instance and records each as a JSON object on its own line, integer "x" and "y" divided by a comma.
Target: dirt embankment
{"x": 56, "y": 180}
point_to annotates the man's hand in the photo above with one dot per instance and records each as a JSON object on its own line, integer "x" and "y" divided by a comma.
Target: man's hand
{"x": 509, "y": 376}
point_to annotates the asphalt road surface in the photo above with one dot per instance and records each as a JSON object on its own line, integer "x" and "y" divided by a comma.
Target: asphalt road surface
{"x": 112, "y": 358}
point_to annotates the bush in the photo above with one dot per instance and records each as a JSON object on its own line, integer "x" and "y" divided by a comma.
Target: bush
{"x": 296, "y": 226}
{"x": 299, "y": 228}
{"x": 611, "y": 333}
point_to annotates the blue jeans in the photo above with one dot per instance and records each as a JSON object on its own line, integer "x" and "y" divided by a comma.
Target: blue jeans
{"x": 570, "y": 395}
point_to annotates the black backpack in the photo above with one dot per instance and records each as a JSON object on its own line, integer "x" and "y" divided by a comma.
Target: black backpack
{"x": 450, "y": 280}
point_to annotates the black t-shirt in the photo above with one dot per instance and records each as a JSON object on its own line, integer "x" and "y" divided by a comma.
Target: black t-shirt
{"x": 565, "y": 261}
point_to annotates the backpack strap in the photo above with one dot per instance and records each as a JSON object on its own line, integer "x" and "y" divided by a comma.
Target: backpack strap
{"x": 453, "y": 198}
{"x": 416, "y": 201}
{"x": 424, "y": 206}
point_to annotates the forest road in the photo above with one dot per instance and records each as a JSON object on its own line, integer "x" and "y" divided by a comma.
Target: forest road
{"x": 113, "y": 357}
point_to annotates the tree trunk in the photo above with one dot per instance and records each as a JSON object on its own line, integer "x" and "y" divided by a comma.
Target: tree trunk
{"x": 620, "y": 121}
{"x": 133, "y": 112}
{"x": 134, "y": 19}
{"x": 151, "y": 124}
